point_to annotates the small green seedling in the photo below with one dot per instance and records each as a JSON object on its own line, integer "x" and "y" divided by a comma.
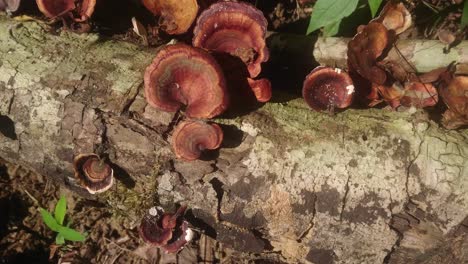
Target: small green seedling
{"x": 55, "y": 223}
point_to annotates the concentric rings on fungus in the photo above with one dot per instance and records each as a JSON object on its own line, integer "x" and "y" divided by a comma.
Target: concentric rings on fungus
{"x": 326, "y": 88}
{"x": 236, "y": 28}
{"x": 183, "y": 75}
{"x": 94, "y": 174}
{"x": 190, "y": 138}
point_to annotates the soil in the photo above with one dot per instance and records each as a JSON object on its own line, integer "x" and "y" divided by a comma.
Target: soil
{"x": 25, "y": 239}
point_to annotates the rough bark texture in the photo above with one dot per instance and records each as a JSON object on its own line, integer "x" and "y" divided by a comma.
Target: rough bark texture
{"x": 289, "y": 184}
{"x": 332, "y": 51}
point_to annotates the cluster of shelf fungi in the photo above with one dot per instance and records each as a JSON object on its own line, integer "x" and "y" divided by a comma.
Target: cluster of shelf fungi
{"x": 224, "y": 62}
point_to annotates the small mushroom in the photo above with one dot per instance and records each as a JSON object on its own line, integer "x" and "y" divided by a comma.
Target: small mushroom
{"x": 365, "y": 49}
{"x": 236, "y": 28}
{"x": 395, "y": 16}
{"x": 94, "y": 174}
{"x": 55, "y": 8}
{"x": 183, "y": 75}
{"x": 183, "y": 236}
{"x": 78, "y": 11}
{"x": 261, "y": 88}
{"x": 419, "y": 95}
{"x": 190, "y": 138}
{"x": 151, "y": 228}
{"x": 166, "y": 230}
{"x": 454, "y": 92}
{"x": 9, "y": 5}
{"x": 176, "y": 16}
{"x": 326, "y": 88}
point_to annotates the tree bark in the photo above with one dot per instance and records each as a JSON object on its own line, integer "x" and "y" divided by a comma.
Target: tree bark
{"x": 288, "y": 184}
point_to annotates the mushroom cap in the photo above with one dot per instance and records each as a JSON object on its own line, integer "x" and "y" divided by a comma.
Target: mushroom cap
{"x": 152, "y": 232}
{"x": 454, "y": 92}
{"x": 326, "y": 88}
{"x": 94, "y": 174}
{"x": 183, "y": 75}
{"x": 176, "y": 15}
{"x": 391, "y": 93}
{"x": 190, "y": 138}
{"x": 182, "y": 236}
{"x": 86, "y": 9}
{"x": 365, "y": 49}
{"x": 395, "y": 16}
{"x": 236, "y": 28}
{"x": 419, "y": 95}
{"x": 261, "y": 88}
{"x": 9, "y": 5}
{"x": 55, "y": 8}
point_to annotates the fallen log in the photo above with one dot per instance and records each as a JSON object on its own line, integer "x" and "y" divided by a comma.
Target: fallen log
{"x": 288, "y": 184}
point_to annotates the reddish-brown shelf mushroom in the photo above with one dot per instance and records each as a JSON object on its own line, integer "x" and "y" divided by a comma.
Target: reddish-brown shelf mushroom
{"x": 176, "y": 16}
{"x": 261, "y": 88}
{"x": 78, "y": 11}
{"x": 151, "y": 229}
{"x": 419, "y": 95}
{"x": 395, "y": 16}
{"x": 236, "y": 28}
{"x": 190, "y": 138}
{"x": 365, "y": 49}
{"x": 165, "y": 230}
{"x": 9, "y": 5}
{"x": 454, "y": 92}
{"x": 326, "y": 88}
{"x": 55, "y": 8}
{"x": 94, "y": 174}
{"x": 183, "y": 75}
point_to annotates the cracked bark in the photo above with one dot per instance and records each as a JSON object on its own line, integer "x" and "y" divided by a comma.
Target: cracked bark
{"x": 283, "y": 174}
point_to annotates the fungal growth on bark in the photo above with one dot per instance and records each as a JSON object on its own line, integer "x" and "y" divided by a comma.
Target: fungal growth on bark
{"x": 182, "y": 75}
{"x": 419, "y": 95}
{"x": 454, "y": 92}
{"x": 239, "y": 29}
{"x": 326, "y": 88}
{"x": 78, "y": 10}
{"x": 165, "y": 230}
{"x": 365, "y": 49}
{"x": 395, "y": 16}
{"x": 9, "y": 5}
{"x": 93, "y": 173}
{"x": 261, "y": 88}
{"x": 175, "y": 16}
{"x": 191, "y": 138}
{"x": 236, "y": 28}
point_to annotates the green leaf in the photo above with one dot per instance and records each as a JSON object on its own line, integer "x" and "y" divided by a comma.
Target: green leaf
{"x": 328, "y": 11}
{"x": 464, "y": 19}
{"x": 374, "y": 6}
{"x": 60, "y": 210}
{"x": 49, "y": 220}
{"x": 71, "y": 234}
{"x": 59, "y": 239}
{"x": 332, "y": 29}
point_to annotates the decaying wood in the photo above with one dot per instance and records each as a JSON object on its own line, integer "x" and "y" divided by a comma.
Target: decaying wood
{"x": 289, "y": 184}
{"x": 412, "y": 54}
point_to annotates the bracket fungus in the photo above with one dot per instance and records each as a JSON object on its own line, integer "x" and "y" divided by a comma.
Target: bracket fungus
{"x": 176, "y": 16}
{"x": 395, "y": 16}
{"x": 454, "y": 92}
{"x": 9, "y": 5}
{"x": 326, "y": 88}
{"x": 419, "y": 95}
{"x": 183, "y": 75}
{"x": 261, "y": 88}
{"x": 94, "y": 174}
{"x": 166, "y": 230}
{"x": 190, "y": 138}
{"x": 365, "y": 49}
{"x": 236, "y": 28}
{"x": 79, "y": 11}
